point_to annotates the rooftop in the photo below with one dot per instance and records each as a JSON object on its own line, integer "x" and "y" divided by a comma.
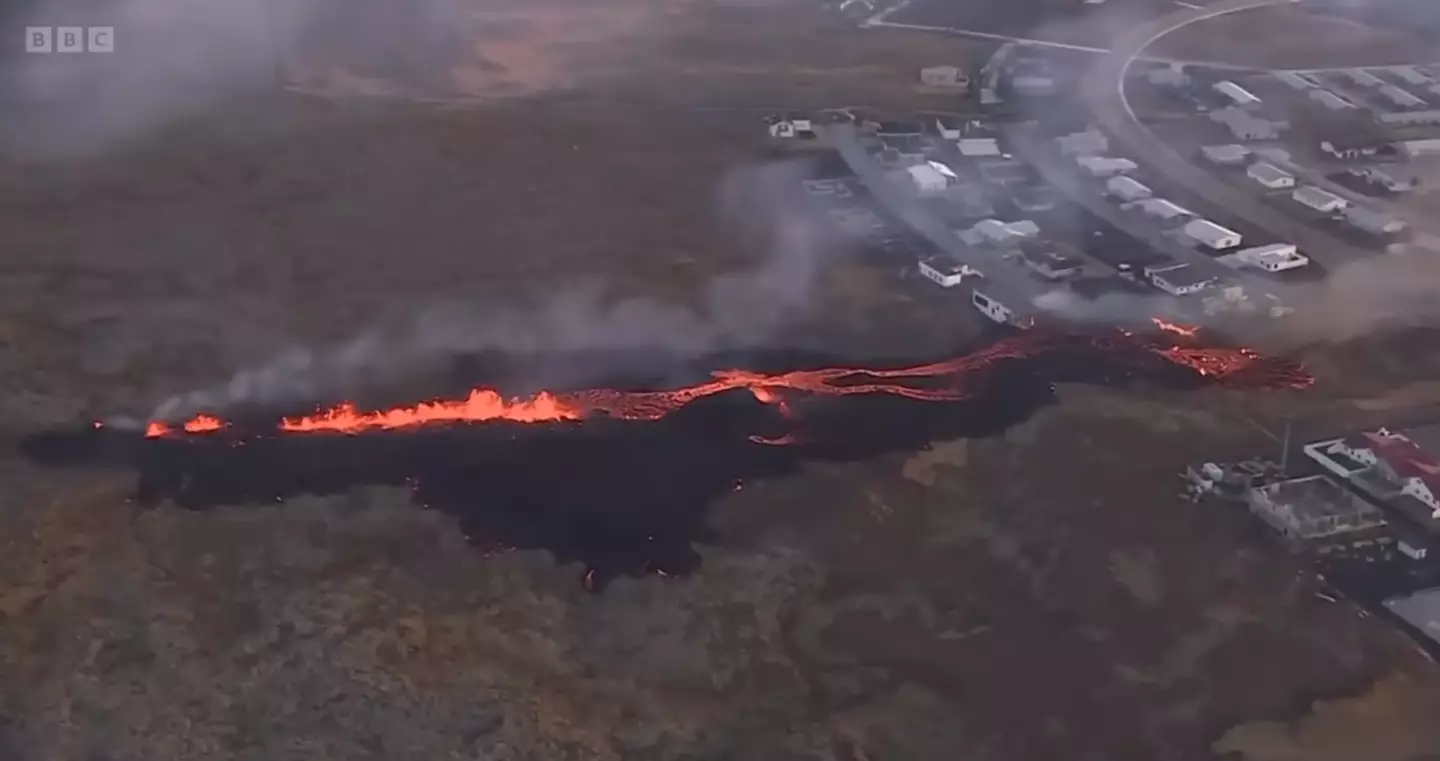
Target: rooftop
{"x": 1266, "y": 172}
{"x": 1402, "y": 454}
{"x": 1316, "y": 497}
{"x": 946, "y": 264}
{"x": 1181, "y": 275}
{"x": 1421, "y": 610}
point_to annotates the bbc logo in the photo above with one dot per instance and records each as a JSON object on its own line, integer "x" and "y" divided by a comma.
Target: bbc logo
{"x": 69, "y": 39}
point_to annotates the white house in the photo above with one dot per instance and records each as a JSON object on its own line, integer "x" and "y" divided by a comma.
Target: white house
{"x": 1426, "y": 147}
{"x": 1330, "y": 100}
{"x": 949, "y": 127}
{"x": 1319, "y": 199}
{"x": 978, "y": 146}
{"x": 1413, "y": 549}
{"x": 1236, "y": 94}
{"x": 946, "y": 271}
{"x": 1101, "y": 166}
{"x": 788, "y": 127}
{"x": 1225, "y": 155}
{"x": 1393, "y": 179}
{"x": 1400, "y": 460}
{"x": 1178, "y": 279}
{"x": 931, "y": 177}
{"x": 1411, "y": 75}
{"x": 1126, "y": 188}
{"x": 1270, "y": 176}
{"x": 1164, "y": 209}
{"x": 1211, "y": 235}
{"x": 1276, "y": 257}
{"x": 1244, "y": 125}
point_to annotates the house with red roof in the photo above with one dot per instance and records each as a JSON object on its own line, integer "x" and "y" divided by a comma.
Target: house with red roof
{"x": 1399, "y": 460}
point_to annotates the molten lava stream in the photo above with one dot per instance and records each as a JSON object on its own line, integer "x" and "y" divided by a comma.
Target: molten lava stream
{"x": 945, "y": 381}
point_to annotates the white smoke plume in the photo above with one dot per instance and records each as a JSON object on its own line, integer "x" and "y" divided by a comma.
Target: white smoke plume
{"x": 741, "y": 309}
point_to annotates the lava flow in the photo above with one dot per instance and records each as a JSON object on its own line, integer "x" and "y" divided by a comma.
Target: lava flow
{"x": 944, "y": 381}
{"x": 621, "y": 481}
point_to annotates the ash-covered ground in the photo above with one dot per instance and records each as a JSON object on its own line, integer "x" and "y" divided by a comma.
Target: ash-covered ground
{"x": 1039, "y": 594}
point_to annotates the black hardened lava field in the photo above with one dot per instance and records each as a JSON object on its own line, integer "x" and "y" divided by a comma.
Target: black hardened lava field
{"x": 619, "y": 479}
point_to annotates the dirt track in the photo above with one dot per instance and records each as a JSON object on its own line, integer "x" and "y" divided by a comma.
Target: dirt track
{"x": 952, "y": 605}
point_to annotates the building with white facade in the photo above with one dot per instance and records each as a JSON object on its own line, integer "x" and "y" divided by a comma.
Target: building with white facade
{"x": 1244, "y": 125}
{"x": 931, "y": 177}
{"x": 1211, "y": 235}
{"x": 1399, "y": 97}
{"x": 1409, "y": 117}
{"x": 1091, "y": 142}
{"x": 946, "y": 271}
{"x": 978, "y": 147}
{"x": 1363, "y": 78}
{"x": 1397, "y": 459}
{"x": 1177, "y": 278}
{"x": 1330, "y": 100}
{"x": 1296, "y": 80}
{"x": 1319, "y": 199}
{"x": 1411, "y": 75}
{"x": 1164, "y": 209}
{"x": 1270, "y": 176}
{"x": 1417, "y": 148}
{"x": 1275, "y": 257}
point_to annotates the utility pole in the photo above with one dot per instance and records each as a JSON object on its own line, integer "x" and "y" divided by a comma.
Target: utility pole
{"x": 1285, "y": 449}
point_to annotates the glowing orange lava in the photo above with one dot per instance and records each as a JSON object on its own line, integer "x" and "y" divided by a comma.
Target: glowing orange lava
{"x": 1186, "y": 331}
{"x": 942, "y": 381}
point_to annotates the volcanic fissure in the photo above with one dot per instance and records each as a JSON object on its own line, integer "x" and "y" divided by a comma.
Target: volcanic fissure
{"x": 620, "y": 481}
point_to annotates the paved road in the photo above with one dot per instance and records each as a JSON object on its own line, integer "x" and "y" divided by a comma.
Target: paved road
{"x": 1104, "y": 88}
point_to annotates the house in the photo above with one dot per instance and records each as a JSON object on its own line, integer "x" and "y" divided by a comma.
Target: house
{"x": 947, "y": 271}
{"x": 1211, "y": 235}
{"x": 1244, "y": 125}
{"x": 996, "y": 232}
{"x": 1412, "y": 544}
{"x": 1052, "y": 265}
{"x": 786, "y": 127}
{"x": 931, "y": 177}
{"x": 1164, "y": 209}
{"x": 1225, "y": 155}
{"x": 1356, "y": 148}
{"x": 1400, "y": 461}
{"x": 1126, "y": 188}
{"x": 979, "y": 146}
{"x": 1091, "y": 142}
{"x": 1373, "y": 222}
{"x": 1275, "y": 257}
{"x": 1411, "y": 75}
{"x": 1236, "y": 94}
{"x": 1363, "y": 78}
{"x": 1330, "y": 100}
{"x": 1270, "y": 176}
{"x": 1400, "y": 98}
{"x": 1409, "y": 117}
{"x": 947, "y": 126}
{"x": 1178, "y": 279}
{"x": 1319, "y": 199}
{"x": 1296, "y": 81}
{"x": 944, "y": 76}
{"x": 1273, "y": 153}
{"x": 1415, "y": 148}
{"x": 1101, "y": 166}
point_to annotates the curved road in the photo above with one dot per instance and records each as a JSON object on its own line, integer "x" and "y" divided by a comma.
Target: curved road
{"x": 1104, "y": 88}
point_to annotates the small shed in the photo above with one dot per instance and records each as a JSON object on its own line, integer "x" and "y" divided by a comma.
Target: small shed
{"x": 1211, "y": 235}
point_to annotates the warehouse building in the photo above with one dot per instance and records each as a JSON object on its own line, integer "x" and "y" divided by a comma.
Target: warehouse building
{"x": 1211, "y": 235}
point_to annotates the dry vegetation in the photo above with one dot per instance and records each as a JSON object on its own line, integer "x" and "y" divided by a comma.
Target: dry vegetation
{"x": 1037, "y": 596}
